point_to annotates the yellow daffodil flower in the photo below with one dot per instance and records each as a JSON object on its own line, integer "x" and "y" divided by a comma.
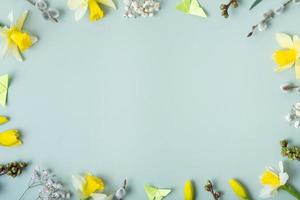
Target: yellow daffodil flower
{"x": 14, "y": 39}
{"x": 10, "y": 138}
{"x": 288, "y": 56}
{"x": 81, "y": 6}
{"x": 239, "y": 189}
{"x": 272, "y": 180}
{"x": 89, "y": 186}
{"x": 188, "y": 191}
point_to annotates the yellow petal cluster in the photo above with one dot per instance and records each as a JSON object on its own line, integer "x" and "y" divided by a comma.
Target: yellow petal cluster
{"x": 92, "y": 184}
{"x": 238, "y": 189}
{"x": 96, "y": 12}
{"x": 10, "y": 138}
{"x": 188, "y": 191}
{"x": 270, "y": 178}
{"x": 21, "y": 39}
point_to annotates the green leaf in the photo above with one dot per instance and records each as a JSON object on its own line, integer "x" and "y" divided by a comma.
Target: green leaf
{"x": 255, "y": 3}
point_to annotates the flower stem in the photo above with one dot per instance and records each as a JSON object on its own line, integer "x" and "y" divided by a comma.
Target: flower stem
{"x": 291, "y": 190}
{"x": 28, "y": 188}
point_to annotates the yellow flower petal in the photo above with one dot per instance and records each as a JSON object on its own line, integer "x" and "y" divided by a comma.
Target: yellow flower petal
{"x": 21, "y": 39}
{"x": 285, "y": 57}
{"x": 92, "y": 184}
{"x": 270, "y": 178}
{"x": 238, "y": 189}
{"x": 189, "y": 190}
{"x": 284, "y": 40}
{"x": 96, "y": 12}
{"x": 10, "y": 138}
{"x": 3, "y": 120}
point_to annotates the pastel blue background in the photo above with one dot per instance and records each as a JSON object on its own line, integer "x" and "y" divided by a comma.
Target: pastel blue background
{"x": 157, "y": 100}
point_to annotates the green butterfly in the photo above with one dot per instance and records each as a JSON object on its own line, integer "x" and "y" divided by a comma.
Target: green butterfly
{"x": 154, "y": 193}
{"x": 191, "y": 7}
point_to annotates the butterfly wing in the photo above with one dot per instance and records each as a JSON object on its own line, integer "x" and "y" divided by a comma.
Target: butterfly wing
{"x": 196, "y": 9}
{"x": 162, "y": 193}
{"x": 3, "y": 89}
{"x": 184, "y": 6}
{"x": 151, "y": 192}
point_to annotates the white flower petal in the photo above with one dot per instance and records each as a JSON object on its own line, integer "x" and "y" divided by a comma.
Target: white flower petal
{"x": 296, "y": 42}
{"x": 281, "y": 168}
{"x": 109, "y": 3}
{"x": 34, "y": 39}
{"x": 79, "y": 13}
{"x": 21, "y": 20}
{"x": 11, "y": 18}
{"x": 99, "y": 196}
{"x": 16, "y": 53}
{"x": 284, "y": 40}
{"x": 75, "y": 4}
{"x": 4, "y": 48}
{"x": 284, "y": 177}
{"x": 267, "y": 192}
{"x": 78, "y": 182}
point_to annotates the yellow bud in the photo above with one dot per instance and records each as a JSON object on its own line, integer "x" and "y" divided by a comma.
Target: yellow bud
{"x": 3, "y": 119}
{"x": 10, "y": 138}
{"x": 239, "y": 189}
{"x": 189, "y": 190}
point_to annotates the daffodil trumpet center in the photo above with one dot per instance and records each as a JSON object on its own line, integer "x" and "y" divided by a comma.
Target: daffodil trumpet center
{"x": 271, "y": 179}
{"x": 285, "y": 56}
{"x": 21, "y": 39}
{"x": 291, "y": 190}
{"x": 96, "y": 12}
{"x": 92, "y": 185}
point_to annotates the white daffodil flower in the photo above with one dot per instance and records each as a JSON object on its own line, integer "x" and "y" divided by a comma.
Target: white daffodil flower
{"x": 14, "y": 39}
{"x": 81, "y": 6}
{"x": 89, "y": 186}
{"x": 272, "y": 180}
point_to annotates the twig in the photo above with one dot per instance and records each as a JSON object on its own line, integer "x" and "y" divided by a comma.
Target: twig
{"x": 209, "y": 187}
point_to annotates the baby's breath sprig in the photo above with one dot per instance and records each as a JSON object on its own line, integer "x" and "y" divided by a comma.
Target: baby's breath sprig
{"x": 47, "y": 13}
{"x": 50, "y": 187}
{"x": 209, "y": 187}
{"x": 12, "y": 169}
{"x": 225, "y": 7}
{"x": 268, "y": 16}
{"x": 292, "y": 153}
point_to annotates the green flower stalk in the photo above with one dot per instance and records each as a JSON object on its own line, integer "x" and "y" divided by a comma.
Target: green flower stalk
{"x": 291, "y": 190}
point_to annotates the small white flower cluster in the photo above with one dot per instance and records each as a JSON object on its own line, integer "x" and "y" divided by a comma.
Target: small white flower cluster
{"x": 143, "y": 8}
{"x": 268, "y": 16}
{"x": 294, "y": 116}
{"x": 51, "y": 189}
